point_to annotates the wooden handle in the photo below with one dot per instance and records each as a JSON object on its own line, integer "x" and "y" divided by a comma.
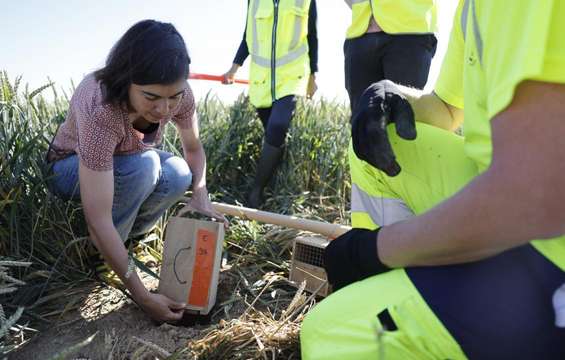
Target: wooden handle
{"x": 319, "y": 227}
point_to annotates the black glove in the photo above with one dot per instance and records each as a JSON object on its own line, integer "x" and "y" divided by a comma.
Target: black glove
{"x": 352, "y": 257}
{"x": 381, "y": 104}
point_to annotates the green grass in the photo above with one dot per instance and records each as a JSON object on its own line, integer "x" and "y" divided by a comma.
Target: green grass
{"x": 314, "y": 172}
{"x": 51, "y": 234}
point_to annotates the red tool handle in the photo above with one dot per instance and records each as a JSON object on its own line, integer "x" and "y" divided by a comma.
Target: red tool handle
{"x": 197, "y": 76}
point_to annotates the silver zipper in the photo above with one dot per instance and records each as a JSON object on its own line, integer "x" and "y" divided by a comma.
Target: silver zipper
{"x": 273, "y": 50}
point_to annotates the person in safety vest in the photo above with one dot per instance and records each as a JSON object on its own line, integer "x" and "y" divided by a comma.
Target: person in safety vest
{"x": 281, "y": 37}
{"x": 388, "y": 39}
{"x": 458, "y": 246}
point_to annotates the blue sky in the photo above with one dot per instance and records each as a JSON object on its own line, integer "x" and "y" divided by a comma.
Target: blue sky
{"x": 64, "y": 39}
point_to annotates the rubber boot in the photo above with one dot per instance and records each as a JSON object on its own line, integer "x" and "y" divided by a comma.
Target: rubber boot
{"x": 270, "y": 158}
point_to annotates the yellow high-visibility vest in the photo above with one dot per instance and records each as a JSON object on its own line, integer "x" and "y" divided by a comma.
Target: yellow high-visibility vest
{"x": 277, "y": 41}
{"x": 393, "y": 16}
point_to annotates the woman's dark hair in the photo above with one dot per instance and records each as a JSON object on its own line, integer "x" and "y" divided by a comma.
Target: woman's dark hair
{"x": 150, "y": 52}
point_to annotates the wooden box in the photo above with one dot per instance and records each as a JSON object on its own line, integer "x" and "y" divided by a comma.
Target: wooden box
{"x": 192, "y": 257}
{"x": 307, "y": 264}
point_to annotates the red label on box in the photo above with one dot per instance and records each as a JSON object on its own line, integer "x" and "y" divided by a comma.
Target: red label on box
{"x": 203, "y": 267}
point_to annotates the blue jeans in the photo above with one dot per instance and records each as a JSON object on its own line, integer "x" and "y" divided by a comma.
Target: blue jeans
{"x": 145, "y": 185}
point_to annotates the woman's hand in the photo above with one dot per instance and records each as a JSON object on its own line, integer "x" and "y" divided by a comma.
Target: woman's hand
{"x": 196, "y": 160}
{"x": 200, "y": 202}
{"x": 312, "y": 87}
{"x": 161, "y": 308}
{"x": 230, "y": 75}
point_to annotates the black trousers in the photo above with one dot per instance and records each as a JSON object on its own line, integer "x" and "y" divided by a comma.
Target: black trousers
{"x": 276, "y": 119}
{"x": 403, "y": 59}
{"x": 498, "y": 308}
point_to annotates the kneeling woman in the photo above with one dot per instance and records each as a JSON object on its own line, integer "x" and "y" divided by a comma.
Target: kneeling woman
{"x": 105, "y": 153}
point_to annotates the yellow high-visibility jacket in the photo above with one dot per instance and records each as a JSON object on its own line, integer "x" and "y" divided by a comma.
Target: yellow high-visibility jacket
{"x": 276, "y": 36}
{"x": 393, "y": 16}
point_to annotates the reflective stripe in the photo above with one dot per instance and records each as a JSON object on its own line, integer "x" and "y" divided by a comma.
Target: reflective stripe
{"x": 261, "y": 61}
{"x": 464, "y": 17}
{"x": 478, "y": 38}
{"x": 358, "y": 1}
{"x": 297, "y": 27}
{"x": 283, "y": 60}
{"x": 464, "y": 14}
{"x": 254, "y": 35}
{"x": 383, "y": 211}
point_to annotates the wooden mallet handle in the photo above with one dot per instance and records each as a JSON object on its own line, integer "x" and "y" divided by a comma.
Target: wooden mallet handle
{"x": 319, "y": 227}
{"x": 328, "y": 230}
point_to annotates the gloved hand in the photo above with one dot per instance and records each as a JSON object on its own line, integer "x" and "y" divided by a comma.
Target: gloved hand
{"x": 381, "y": 104}
{"x": 352, "y": 257}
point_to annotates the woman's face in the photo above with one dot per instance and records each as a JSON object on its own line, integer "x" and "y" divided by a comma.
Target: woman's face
{"x": 155, "y": 102}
